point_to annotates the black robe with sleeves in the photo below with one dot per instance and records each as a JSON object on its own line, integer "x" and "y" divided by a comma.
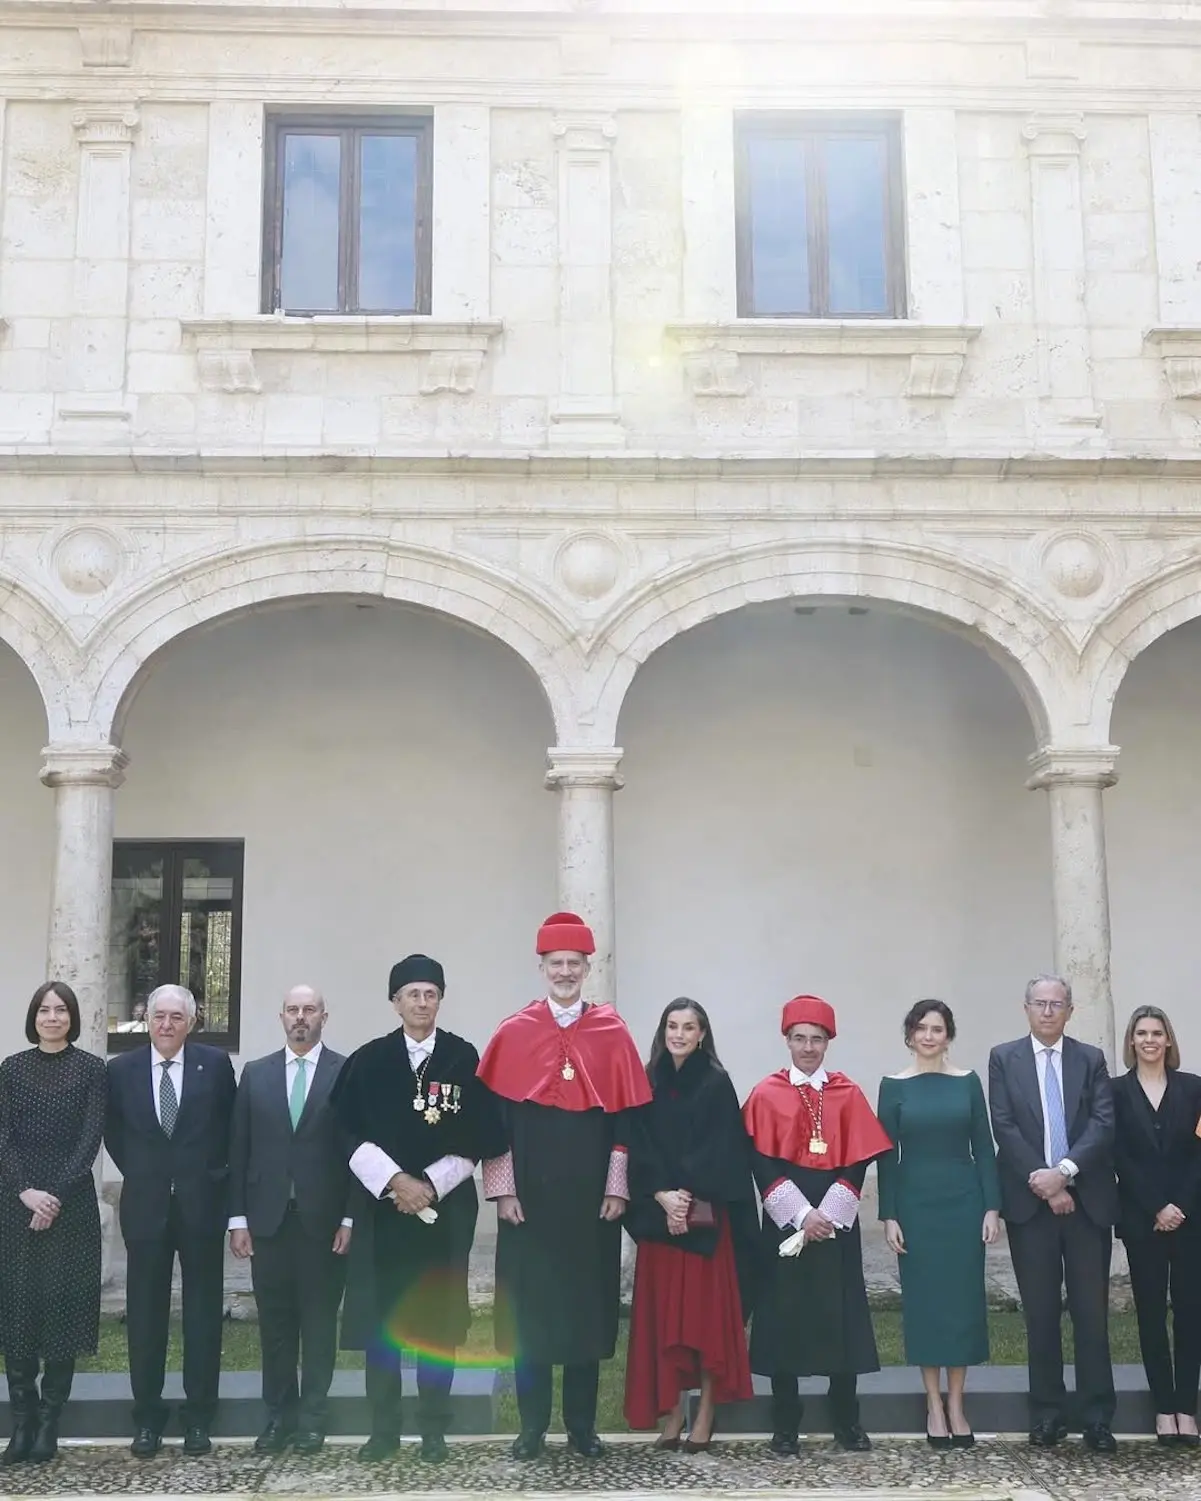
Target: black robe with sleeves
{"x": 418, "y": 1270}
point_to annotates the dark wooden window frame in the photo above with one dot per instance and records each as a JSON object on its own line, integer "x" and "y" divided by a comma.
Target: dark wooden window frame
{"x": 177, "y": 851}
{"x": 347, "y": 128}
{"x": 810, "y": 127}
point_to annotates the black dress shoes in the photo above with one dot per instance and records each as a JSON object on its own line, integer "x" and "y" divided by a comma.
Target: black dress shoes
{"x": 784, "y": 1445}
{"x": 585, "y": 1443}
{"x": 274, "y": 1439}
{"x": 433, "y": 1449}
{"x": 146, "y": 1443}
{"x": 379, "y": 1446}
{"x": 1099, "y": 1438}
{"x": 196, "y": 1441}
{"x": 1047, "y": 1434}
{"x": 308, "y": 1441}
{"x": 529, "y": 1444}
{"x": 853, "y": 1439}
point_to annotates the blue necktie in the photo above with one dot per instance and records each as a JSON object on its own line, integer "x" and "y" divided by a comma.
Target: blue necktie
{"x": 1055, "y": 1116}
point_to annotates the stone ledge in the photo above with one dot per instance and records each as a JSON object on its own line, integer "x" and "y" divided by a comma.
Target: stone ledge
{"x": 1179, "y": 350}
{"x": 713, "y": 351}
{"x": 225, "y": 347}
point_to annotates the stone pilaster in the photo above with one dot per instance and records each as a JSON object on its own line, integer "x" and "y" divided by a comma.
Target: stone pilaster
{"x": 586, "y": 780}
{"x": 1074, "y": 780}
{"x": 84, "y": 779}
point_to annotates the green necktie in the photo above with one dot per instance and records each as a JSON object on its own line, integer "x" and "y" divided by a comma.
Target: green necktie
{"x": 296, "y": 1098}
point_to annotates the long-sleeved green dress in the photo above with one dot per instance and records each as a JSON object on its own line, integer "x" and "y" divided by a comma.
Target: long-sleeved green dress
{"x": 937, "y": 1182}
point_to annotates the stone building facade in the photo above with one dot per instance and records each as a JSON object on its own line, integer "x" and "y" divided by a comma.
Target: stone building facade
{"x": 790, "y": 410}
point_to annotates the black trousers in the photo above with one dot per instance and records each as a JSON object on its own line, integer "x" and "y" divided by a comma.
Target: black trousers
{"x": 1162, "y": 1267}
{"x": 434, "y": 1381}
{"x": 535, "y": 1388}
{"x": 298, "y": 1282}
{"x": 148, "y": 1312}
{"x": 1049, "y": 1251}
{"x": 787, "y": 1407}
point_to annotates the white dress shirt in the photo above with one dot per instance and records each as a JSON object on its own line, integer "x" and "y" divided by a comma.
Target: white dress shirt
{"x": 815, "y": 1080}
{"x": 291, "y": 1064}
{"x": 174, "y": 1071}
{"x": 565, "y": 1015}
{"x": 420, "y": 1051}
{"x": 1040, "y": 1064}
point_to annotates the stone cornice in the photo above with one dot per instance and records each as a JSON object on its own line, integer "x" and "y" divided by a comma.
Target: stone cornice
{"x": 83, "y": 766}
{"x": 1179, "y": 348}
{"x": 712, "y": 351}
{"x": 1073, "y": 766}
{"x": 586, "y": 766}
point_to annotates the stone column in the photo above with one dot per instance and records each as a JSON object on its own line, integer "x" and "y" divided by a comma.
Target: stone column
{"x": 586, "y": 780}
{"x": 1074, "y": 780}
{"x": 84, "y": 778}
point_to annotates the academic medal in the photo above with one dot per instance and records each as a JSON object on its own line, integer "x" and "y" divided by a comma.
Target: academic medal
{"x": 433, "y": 1115}
{"x": 817, "y": 1146}
{"x": 567, "y": 1071}
{"x": 452, "y": 1103}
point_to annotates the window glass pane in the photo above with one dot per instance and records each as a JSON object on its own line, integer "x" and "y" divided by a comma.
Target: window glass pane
{"x": 779, "y": 225}
{"x": 206, "y": 939}
{"x": 387, "y": 223}
{"x": 308, "y": 272}
{"x": 135, "y": 943}
{"x": 856, "y": 181}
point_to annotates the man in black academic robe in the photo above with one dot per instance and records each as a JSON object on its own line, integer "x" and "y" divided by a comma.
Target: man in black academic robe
{"x": 566, "y": 1078}
{"x": 814, "y": 1135}
{"x": 418, "y": 1120}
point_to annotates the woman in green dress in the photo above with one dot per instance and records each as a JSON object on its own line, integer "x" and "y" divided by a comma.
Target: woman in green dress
{"x": 939, "y": 1200}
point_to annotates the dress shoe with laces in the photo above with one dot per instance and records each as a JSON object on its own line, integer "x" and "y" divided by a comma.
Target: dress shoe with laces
{"x": 433, "y": 1449}
{"x": 379, "y": 1446}
{"x": 784, "y": 1445}
{"x": 196, "y": 1441}
{"x": 309, "y": 1441}
{"x": 274, "y": 1439}
{"x": 529, "y": 1444}
{"x": 1047, "y": 1434}
{"x": 853, "y": 1439}
{"x": 146, "y": 1443}
{"x": 1099, "y": 1438}
{"x": 585, "y": 1443}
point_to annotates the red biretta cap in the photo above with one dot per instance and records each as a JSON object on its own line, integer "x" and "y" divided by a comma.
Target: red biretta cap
{"x": 811, "y": 1009}
{"x": 564, "y": 931}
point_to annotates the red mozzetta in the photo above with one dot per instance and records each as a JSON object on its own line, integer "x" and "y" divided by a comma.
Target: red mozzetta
{"x": 780, "y": 1126}
{"x": 591, "y": 1065}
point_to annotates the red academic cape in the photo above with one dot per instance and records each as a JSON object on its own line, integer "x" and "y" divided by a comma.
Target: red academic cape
{"x": 780, "y": 1126}
{"x": 525, "y": 1060}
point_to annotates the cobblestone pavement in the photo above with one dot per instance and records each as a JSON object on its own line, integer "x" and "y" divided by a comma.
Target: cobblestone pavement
{"x": 1140, "y": 1472}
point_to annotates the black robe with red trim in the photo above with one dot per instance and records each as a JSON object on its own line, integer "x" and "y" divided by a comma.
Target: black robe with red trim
{"x": 558, "y": 1275}
{"x": 811, "y": 1314}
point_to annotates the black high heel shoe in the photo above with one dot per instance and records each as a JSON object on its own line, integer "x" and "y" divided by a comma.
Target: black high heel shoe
{"x": 938, "y": 1440}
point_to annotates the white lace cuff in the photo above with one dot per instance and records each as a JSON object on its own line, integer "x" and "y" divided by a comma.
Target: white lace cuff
{"x": 498, "y": 1177}
{"x": 840, "y": 1205}
{"x": 617, "y": 1184}
{"x": 786, "y": 1204}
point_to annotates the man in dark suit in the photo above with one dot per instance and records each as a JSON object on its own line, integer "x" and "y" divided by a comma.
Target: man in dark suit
{"x": 1052, "y": 1116}
{"x": 167, "y": 1130}
{"x": 289, "y": 1194}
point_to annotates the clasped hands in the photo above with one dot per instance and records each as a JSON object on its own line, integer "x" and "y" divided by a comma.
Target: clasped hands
{"x": 410, "y": 1195}
{"x": 675, "y": 1204}
{"x": 508, "y": 1208}
{"x": 1051, "y": 1185}
{"x": 43, "y": 1206}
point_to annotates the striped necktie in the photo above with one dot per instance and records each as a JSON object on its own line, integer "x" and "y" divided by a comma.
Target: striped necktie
{"x": 168, "y": 1100}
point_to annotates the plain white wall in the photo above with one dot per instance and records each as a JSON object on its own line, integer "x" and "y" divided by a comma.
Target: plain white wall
{"x": 830, "y": 803}
{"x": 26, "y": 846}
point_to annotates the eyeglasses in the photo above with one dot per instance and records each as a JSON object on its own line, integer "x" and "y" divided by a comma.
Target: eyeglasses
{"x": 1055, "y": 1006}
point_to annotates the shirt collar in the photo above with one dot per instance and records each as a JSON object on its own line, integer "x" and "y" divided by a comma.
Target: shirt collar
{"x": 310, "y": 1057}
{"x": 575, "y": 1010}
{"x": 156, "y": 1057}
{"x": 815, "y": 1080}
{"x": 1056, "y": 1047}
{"x": 426, "y": 1046}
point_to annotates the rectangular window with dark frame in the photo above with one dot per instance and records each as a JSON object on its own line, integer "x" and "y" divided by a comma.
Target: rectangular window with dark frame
{"x": 348, "y": 208}
{"x": 176, "y": 920}
{"x": 819, "y": 229}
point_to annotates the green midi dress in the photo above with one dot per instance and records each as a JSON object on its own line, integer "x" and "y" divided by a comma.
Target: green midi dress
{"x": 937, "y": 1183}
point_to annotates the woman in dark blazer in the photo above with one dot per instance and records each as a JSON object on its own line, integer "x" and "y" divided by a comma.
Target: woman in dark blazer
{"x": 1157, "y": 1154}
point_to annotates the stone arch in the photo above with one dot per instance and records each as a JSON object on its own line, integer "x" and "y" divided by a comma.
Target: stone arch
{"x": 44, "y": 645}
{"x": 961, "y": 596}
{"x": 216, "y": 589}
{"x": 1149, "y": 609}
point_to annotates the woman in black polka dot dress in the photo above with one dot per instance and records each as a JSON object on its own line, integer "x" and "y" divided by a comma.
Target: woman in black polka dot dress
{"x": 52, "y": 1099}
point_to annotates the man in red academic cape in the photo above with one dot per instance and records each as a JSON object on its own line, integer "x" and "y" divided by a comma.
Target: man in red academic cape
{"x": 568, "y": 1082}
{"x": 814, "y": 1135}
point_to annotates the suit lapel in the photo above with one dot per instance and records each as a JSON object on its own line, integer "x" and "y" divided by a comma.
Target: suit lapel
{"x": 322, "y": 1082}
{"x": 1027, "y": 1079}
{"x": 144, "y": 1094}
{"x": 195, "y": 1083}
{"x": 1073, "y": 1082}
{"x": 277, "y": 1085}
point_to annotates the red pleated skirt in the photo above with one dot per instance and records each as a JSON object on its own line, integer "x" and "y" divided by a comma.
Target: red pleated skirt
{"x": 686, "y": 1318}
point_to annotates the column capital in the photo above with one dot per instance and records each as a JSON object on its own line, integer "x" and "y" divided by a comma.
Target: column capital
{"x": 1073, "y": 766}
{"x": 584, "y": 766}
{"x": 83, "y": 766}
{"x": 105, "y": 124}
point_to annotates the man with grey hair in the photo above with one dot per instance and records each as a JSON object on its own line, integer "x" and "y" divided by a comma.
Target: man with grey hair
{"x": 1052, "y": 1116}
{"x": 167, "y": 1129}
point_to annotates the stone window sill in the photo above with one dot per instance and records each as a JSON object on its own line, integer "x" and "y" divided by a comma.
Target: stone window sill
{"x": 1179, "y": 350}
{"x": 453, "y": 353}
{"x": 713, "y": 351}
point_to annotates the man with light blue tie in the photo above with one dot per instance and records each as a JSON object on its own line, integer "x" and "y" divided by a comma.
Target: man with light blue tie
{"x": 289, "y": 1199}
{"x": 1052, "y": 1116}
